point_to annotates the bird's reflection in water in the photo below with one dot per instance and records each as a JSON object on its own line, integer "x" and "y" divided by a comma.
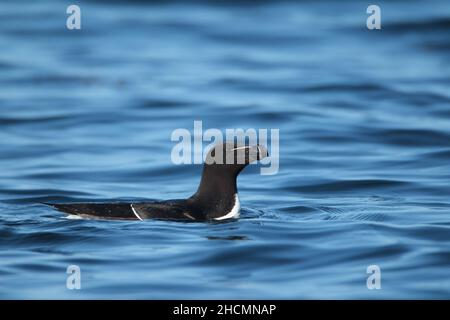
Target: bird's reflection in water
{"x": 227, "y": 238}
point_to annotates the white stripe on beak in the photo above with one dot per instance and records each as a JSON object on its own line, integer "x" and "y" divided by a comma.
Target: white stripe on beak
{"x": 238, "y": 148}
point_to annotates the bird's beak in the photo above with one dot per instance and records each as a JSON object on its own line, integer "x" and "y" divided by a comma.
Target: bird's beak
{"x": 256, "y": 152}
{"x": 262, "y": 152}
{"x": 249, "y": 154}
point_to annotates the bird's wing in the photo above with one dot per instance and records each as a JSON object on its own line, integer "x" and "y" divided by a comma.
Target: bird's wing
{"x": 163, "y": 210}
{"x": 122, "y": 211}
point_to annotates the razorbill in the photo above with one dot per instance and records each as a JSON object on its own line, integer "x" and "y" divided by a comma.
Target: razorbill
{"x": 216, "y": 197}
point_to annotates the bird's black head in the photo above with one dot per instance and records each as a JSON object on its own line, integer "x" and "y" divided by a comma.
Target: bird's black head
{"x": 231, "y": 158}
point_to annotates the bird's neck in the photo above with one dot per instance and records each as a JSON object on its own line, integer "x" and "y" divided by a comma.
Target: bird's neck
{"x": 216, "y": 192}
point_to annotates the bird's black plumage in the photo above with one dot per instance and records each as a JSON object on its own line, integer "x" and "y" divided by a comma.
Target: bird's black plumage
{"x": 216, "y": 196}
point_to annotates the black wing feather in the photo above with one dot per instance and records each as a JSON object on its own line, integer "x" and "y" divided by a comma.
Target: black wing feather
{"x": 121, "y": 211}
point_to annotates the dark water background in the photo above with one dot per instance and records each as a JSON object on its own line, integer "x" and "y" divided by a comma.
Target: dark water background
{"x": 364, "y": 119}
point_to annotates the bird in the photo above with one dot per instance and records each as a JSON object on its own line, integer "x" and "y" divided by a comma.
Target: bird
{"x": 216, "y": 197}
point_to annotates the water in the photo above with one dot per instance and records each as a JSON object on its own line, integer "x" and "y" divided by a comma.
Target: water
{"x": 364, "y": 119}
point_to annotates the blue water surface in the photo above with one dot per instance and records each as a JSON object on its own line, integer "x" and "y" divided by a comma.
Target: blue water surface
{"x": 364, "y": 119}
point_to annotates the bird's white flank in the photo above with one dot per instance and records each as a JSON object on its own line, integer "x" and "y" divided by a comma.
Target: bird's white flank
{"x": 235, "y": 211}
